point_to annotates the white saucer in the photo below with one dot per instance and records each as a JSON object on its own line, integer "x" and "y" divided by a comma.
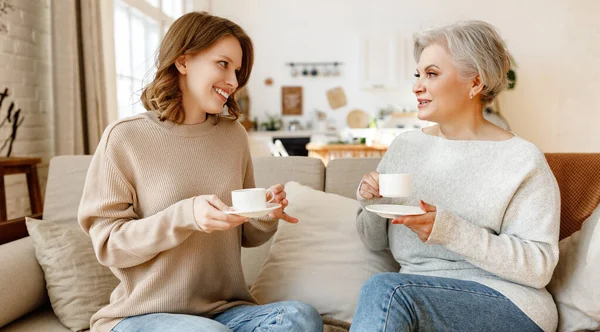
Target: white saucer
{"x": 255, "y": 213}
{"x": 392, "y": 211}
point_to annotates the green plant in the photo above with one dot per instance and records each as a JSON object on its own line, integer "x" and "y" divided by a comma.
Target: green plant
{"x": 512, "y": 82}
{"x": 512, "y": 74}
{"x": 512, "y": 79}
{"x": 273, "y": 123}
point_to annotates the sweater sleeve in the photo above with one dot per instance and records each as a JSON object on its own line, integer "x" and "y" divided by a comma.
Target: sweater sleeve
{"x": 373, "y": 229}
{"x": 119, "y": 236}
{"x": 258, "y": 230}
{"x": 526, "y": 249}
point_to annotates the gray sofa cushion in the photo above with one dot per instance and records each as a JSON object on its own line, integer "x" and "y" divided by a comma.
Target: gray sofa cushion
{"x": 42, "y": 319}
{"x": 22, "y": 281}
{"x": 267, "y": 172}
{"x": 78, "y": 285}
{"x": 344, "y": 175}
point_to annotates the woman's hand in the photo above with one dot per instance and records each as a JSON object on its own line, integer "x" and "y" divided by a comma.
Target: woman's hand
{"x": 209, "y": 215}
{"x": 280, "y": 194}
{"x": 369, "y": 186}
{"x": 422, "y": 224}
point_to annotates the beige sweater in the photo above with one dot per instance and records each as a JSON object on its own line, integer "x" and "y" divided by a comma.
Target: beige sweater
{"x": 137, "y": 207}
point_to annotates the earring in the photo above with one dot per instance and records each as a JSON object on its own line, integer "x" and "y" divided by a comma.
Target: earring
{"x": 471, "y": 94}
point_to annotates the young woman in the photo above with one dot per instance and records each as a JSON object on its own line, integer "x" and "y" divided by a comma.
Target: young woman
{"x": 480, "y": 256}
{"x": 159, "y": 184}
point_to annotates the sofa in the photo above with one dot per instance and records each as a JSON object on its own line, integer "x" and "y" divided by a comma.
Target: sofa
{"x": 24, "y": 302}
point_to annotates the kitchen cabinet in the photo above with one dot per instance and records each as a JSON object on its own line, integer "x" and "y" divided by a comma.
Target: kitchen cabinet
{"x": 385, "y": 62}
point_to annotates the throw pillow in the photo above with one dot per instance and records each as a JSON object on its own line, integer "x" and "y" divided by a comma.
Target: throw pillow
{"x": 574, "y": 284}
{"x": 78, "y": 285}
{"x": 321, "y": 260}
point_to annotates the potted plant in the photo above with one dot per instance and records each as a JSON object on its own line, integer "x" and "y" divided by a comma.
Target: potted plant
{"x": 492, "y": 112}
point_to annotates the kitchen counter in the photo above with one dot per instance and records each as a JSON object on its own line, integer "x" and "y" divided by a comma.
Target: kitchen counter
{"x": 260, "y": 142}
{"x": 285, "y": 133}
{"x": 377, "y": 141}
{"x": 345, "y": 147}
{"x": 327, "y": 152}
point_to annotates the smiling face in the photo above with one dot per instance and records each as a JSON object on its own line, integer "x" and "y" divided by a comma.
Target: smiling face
{"x": 209, "y": 77}
{"x": 441, "y": 93}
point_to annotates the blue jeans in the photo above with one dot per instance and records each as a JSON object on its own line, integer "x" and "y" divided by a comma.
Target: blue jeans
{"x": 404, "y": 302}
{"x": 288, "y": 316}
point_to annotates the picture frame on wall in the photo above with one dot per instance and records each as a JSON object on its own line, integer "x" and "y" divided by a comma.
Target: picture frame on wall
{"x": 291, "y": 100}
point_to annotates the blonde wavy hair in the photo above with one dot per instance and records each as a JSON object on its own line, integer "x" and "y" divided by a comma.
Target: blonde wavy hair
{"x": 476, "y": 49}
{"x": 190, "y": 34}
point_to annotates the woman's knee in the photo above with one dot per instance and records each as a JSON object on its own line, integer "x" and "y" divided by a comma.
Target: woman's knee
{"x": 306, "y": 312}
{"x": 378, "y": 284}
{"x": 165, "y": 322}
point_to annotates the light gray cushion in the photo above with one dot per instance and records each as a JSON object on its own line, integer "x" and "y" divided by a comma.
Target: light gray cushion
{"x": 253, "y": 259}
{"x": 272, "y": 170}
{"x": 21, "y": 280}
{"x": 66, "y": 178}
{"x": 77, "y": 284}
{"x": 574, "y": 284}
{"x": 321, "y": 260}
{"x": 344, "y": 175}
{"x": 267, "y": 172}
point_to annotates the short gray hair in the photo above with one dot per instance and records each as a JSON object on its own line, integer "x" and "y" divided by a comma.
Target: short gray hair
{"x": 476, "y": 48}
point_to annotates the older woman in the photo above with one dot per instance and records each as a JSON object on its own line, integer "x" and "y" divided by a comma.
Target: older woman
{"x": 480, "y": 256}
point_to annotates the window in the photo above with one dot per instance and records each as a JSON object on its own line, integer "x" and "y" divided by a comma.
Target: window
{"x": 138, "y": 28}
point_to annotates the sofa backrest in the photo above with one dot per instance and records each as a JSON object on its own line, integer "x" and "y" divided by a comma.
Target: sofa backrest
{"x": 578, "y": 176}
{"x": 272, "y": 170}
{"x": 343, "y": 175}
{"x": 66, "y": 177}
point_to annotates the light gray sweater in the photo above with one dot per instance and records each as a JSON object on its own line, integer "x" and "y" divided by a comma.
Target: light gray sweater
{"x": 497, "y": 223}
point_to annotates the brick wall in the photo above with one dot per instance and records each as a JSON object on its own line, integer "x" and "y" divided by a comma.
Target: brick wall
{"x": 25, "y": 58}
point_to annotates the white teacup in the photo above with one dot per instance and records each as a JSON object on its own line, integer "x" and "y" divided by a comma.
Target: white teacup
{"x": 251, "y": 199}
{"x": 395, "y": 185}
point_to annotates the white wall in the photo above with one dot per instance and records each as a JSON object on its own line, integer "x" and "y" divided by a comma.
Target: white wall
{"x": 556, "y": 44}
{"x": 25, "y": 59}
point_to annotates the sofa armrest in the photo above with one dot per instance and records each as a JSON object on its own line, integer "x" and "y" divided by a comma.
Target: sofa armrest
{"x": 22, "y": 285}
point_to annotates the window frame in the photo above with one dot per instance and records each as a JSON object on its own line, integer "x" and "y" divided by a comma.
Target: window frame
{"x": 107, "y": 12}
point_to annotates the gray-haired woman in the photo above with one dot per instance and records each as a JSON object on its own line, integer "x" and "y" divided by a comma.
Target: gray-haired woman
{"x": 481, "y": 254}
